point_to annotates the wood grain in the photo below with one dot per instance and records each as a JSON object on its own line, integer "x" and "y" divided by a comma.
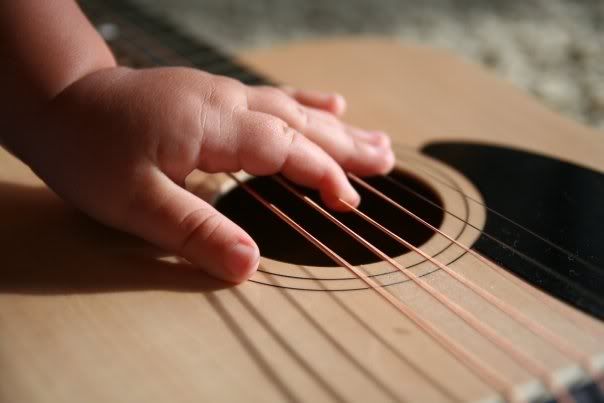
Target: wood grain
{"x": 90, "y": 314}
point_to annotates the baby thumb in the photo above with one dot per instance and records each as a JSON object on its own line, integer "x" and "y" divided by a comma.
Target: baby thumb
{"x": 177, "y": 220}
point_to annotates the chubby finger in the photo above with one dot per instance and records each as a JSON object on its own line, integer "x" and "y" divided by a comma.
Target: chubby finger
{"x": 359, "y": 151}
{"x": 267, "y": 145}
{"x": 362, "y": 152}
{"x": 275, "y": 102}
{"x": 330, "y": 102}
{"x": 175, "y": 219}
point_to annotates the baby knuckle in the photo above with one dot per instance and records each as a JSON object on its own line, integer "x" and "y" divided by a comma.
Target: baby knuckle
{"x": 332, "y": 120}
{"x": 301, "y": 116}
{"x": 199, "y": 226}
{"x": 296, "y": 114}
{"x": 225, "y": 91}
{"x": 178, "y": 130}
{"x": 273, "y": 92}
{"x": 188, "y": 106}
{"x": 227, "y": 87}
{"x": 267, "y": 151}
{"x": 272, "y": 127}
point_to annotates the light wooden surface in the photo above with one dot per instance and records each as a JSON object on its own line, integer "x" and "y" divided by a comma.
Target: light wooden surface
{"x": 89, "y": 314}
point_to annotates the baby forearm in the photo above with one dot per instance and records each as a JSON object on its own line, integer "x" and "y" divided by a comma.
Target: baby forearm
{"x": 45, "y": 46}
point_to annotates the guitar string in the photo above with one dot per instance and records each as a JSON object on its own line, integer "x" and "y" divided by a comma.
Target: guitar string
{"x": 535, "y": 367}
{"x": 560, "y": 344}
{"x": 587, "y": 294}
{"x": 536, "y": 328}
{"x": 339, "y": 346}
{"x": 144, "y": 50}
{"x": 559, "y": 306}
{"x": 139, "y": 50}
{"x": 150, "y": 55}
{"x": 432, "y": 379}
{"x": 180, "y": 59}
{"x": 463, "y": 355}
{"x": 598, "y": 270}
{"x": 302, "y": 361}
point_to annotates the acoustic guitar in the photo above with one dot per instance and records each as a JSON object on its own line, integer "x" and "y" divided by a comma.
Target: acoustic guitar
{"x": 473, "y": 272}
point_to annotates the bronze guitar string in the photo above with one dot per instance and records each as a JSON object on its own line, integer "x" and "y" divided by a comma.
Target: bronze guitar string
{"x": 433, "y": 380}
{"x": 574, "y": 256}
{"x": 182, "y": 60}
{"x": 463, "y": 355}
{"x": 555, "y": 304}
{"x": 560, "y": 344}
{"x": 535, "y": 367}
{"x": 168, "y": 56}
{"x": 588, "y": 294}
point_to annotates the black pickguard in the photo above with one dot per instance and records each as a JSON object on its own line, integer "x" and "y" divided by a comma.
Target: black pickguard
{"x": 553, "y": 218}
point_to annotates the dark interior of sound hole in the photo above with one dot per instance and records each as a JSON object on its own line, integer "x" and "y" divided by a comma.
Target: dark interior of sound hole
{"x": 279, "y": 241}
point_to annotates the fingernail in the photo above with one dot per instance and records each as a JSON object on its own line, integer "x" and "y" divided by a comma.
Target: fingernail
{"x": 379, "y": 139}
{"x": 242, "y": 259}
{"x": 388, "y": 163}
{"x": 338, "y": 100}
{"x": 373, "y": 150}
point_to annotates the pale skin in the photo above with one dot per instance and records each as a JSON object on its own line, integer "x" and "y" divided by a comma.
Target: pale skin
{"x": 118, "y": 143}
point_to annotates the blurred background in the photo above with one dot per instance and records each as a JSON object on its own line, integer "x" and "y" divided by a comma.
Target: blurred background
{"x": 551, "y": 48}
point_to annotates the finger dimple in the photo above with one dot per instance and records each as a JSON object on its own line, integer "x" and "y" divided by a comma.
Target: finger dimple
{"x": 376, "y": 138}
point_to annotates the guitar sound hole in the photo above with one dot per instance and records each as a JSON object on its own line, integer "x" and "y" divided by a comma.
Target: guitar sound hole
{"x": 278, "y": 241}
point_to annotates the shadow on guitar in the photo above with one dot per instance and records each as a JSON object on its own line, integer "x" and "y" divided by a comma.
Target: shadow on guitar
{"x": 50, "y": 248}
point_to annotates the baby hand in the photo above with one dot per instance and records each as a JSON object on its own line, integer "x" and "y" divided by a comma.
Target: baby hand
{"x": 119, "y": 143}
